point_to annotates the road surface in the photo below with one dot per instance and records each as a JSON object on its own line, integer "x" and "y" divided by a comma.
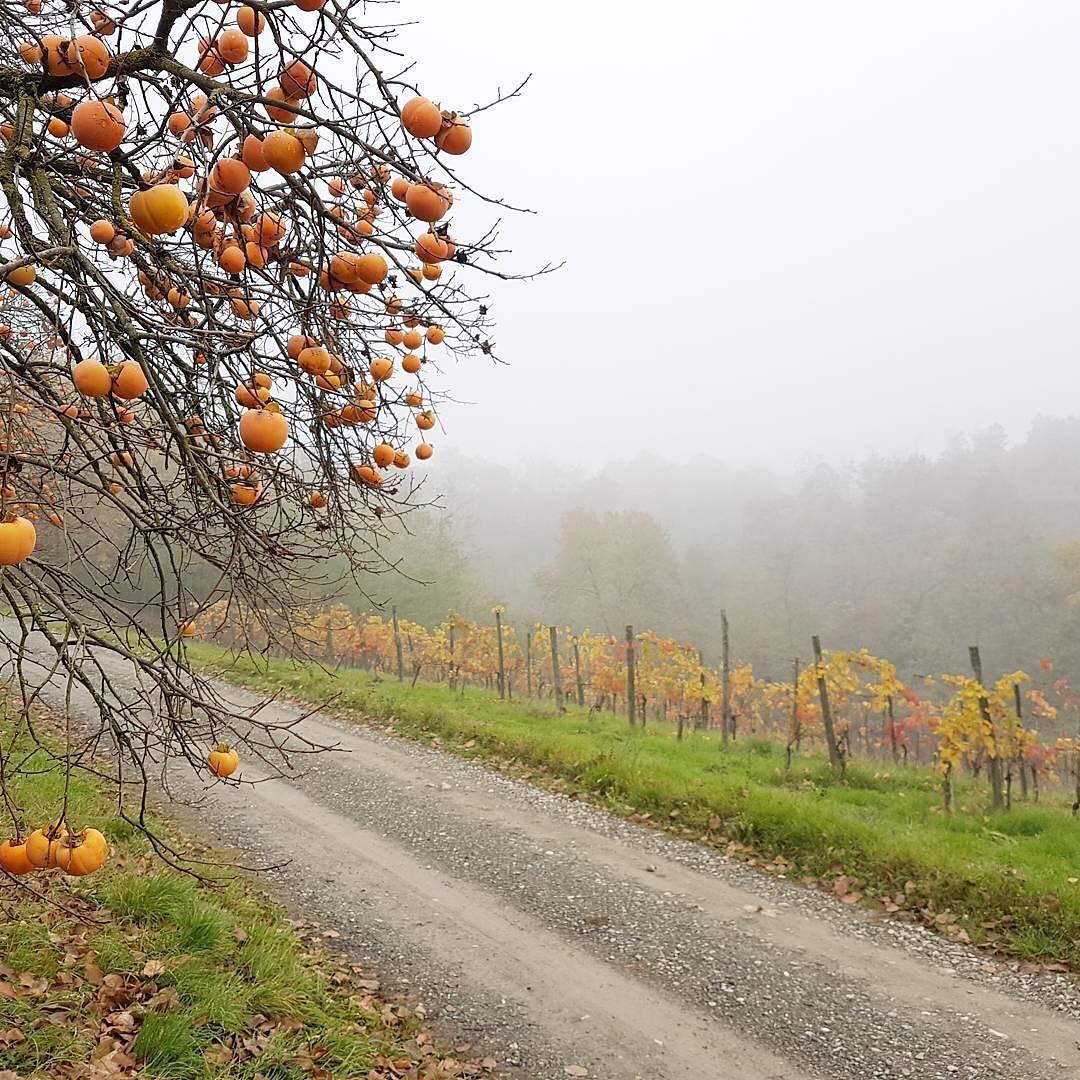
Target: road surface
{"x": 565, "y": 942}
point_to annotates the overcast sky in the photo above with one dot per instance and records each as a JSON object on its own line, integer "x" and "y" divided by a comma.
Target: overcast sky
{"x": 792, "y": 230}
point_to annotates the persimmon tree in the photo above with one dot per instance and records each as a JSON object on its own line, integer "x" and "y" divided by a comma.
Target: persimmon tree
{"x": 230, "y": 282}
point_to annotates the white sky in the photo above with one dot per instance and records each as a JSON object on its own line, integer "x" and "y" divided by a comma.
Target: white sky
{"x": 792, "y": 229}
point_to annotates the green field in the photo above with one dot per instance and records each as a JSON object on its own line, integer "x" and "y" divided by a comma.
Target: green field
{"x": 1018, "y": 872}
{"x": 191, "y": 982}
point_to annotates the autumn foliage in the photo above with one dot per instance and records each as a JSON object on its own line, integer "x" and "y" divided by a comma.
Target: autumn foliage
{"x": 877, "y": 715}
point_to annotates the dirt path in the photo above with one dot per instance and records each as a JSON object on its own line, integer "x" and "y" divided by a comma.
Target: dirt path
{"x": 559, "y": 939}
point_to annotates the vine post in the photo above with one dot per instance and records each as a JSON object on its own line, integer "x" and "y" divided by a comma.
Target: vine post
{"x": 836, "y": 754}
{"x": 631, "y": 693}
{"x": 450, "y": 675}
{"x": 397, "y": 646}
{"x": 703, "y": 715}
{"x": 727, "y": 721}
{"x": 892, "y": 729}
{"x": 497, "y": 611}
{"x": 1021, "y": 767}
{"x": 560, "y": 703}
{"x": 997, "y": 785}
{"x": 795, "y": 733}
{"x": 580, "y": 686}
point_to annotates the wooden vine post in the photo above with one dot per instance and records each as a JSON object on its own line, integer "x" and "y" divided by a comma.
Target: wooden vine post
{"x": 727, "y": 721}
{"x": 795, "y": 731}
{"x": 1022, "y": 765}
{"x": 397, "y": 646}
{"x": 892, "y": 729}
{"x": 577, "y": 673}
{"x": 559, "y": 702}
{"x": 836, "y": 754}
{"x": 631, "y": 692}
{"x": 994, "y": 769}
{"x": 528, "y": 663}
{"x": 497, "y": 611}
{"x": 703, "y": 714}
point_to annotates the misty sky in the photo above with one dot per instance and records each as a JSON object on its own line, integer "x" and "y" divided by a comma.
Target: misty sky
{"x": 791, "y": 230}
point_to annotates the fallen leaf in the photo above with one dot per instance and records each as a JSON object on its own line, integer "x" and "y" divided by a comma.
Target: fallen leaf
{"x": 218, "y": 1055}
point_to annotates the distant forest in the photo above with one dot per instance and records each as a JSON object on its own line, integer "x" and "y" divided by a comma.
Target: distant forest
{"x": 915, "y": 558}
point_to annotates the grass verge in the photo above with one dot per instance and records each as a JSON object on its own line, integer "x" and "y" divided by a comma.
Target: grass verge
{"x": 1009, "y": 880}
{"x": 143, "y": 971}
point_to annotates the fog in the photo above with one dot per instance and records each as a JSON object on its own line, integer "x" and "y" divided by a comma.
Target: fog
{"x": 812, "y": 353}
{"x": 793, "y": 232}
{"x": 914, "y": 558}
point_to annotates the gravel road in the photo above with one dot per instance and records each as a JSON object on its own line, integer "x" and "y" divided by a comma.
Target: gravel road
{"x": 565, "y": 942}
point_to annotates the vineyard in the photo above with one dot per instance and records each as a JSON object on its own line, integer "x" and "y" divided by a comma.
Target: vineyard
{"x": 851, "y": 704}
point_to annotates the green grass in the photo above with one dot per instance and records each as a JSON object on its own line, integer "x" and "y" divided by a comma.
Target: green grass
{"x": 191, "y": 962}
{"x": 882, "y": 824}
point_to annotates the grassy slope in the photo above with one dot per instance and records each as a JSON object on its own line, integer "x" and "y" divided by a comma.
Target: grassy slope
{"x": 187, "y": 981}
{"x": 882, "y": 825}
